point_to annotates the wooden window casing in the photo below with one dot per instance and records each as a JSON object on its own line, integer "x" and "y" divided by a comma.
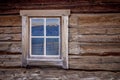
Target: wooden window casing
{"x": 30, "y": 60}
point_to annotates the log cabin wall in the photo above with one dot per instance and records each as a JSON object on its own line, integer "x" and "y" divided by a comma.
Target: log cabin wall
{"x": 94, "y": 32}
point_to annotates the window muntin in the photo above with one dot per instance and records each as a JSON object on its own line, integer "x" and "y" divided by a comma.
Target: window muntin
{"x": 45, "y": 37}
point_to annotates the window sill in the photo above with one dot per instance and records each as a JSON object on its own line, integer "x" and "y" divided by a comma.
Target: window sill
{"x": 56, "y": 60}
{"x": 39, "y": 62}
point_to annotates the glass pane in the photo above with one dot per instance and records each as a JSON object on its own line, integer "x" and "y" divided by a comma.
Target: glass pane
{"x": 37, "y": 27}
{"x": 52, "y": 46}
{"x": 52, "y": 27}
{"x": 37, "y": 46}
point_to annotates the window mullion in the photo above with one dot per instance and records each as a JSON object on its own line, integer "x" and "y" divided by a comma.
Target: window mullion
{"x": 30, "y": 38}
{"x": 59, "y": 38}
{"x": 44, "y": 36}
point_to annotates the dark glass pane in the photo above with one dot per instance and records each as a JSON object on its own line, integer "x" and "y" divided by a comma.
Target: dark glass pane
{"x": 37, "y": 46}
{"x": 52, "y": 46}
{"x": 52, "y": 27}
{"x": 37, "y": 27}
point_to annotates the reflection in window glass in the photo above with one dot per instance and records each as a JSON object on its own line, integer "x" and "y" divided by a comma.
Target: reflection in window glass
{"x": 52, "y": 46}
{"x": 37, "y": 27}
{"x": 52, "y": 27}
{"x": 37, "y": 46}
{"x": 45, "y": 36}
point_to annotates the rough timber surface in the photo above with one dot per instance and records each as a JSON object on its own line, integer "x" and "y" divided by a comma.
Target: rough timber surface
{"x": 55, "y": 74}
{"x": 76, "y": 6}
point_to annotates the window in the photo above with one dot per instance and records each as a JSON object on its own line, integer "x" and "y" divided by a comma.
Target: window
{"x": 45, "y": 37}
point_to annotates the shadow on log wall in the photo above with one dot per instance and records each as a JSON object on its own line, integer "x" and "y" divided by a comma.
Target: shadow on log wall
{"x": 76, "y": 6}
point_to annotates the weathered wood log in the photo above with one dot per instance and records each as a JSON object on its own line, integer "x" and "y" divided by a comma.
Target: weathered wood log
{"x": 108, "y": 1}
{"x": 10, "y": 60}
{"x": 60, "y": 1}
{"x": 97, "y": 26}
{"x": 10, "y": 37}
{"x": 10, "y": 47}
{"x": 113, "y": 31}
{"x": 95, "y": 62}
{"x": 90, "y": 31}
{"x": 98, "y": 38}
{"x": 36, "y": 1}
{"x": 10, "y": 21}
{"x": 74, "y": 6}
{"x": 10, "y": 30}
{"x": 95, "y": 19}
{"x": 94, "y": 31}
{"x": 100, "y": 49}
{"x": 11, "y": 64}
{"x": 95, "y": 38}
{"x": 103, "y": 19}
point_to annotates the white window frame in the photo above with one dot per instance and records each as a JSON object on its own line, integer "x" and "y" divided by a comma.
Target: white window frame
{"x": 27, "y": 59}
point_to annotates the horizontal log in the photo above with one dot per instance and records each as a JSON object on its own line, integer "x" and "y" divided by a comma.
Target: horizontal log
{"x": 10, "y": 47}
{"x": 74, "y": 7}
{"x": 11, "y": 64}
{"x": 10, "y": 37}
{"x": 94, "y": 38}
{"x": 10, "y": 60}
{"x": 93, "y": 31}
{"x": 95, "y": 1}
{"x": 89, "y": 31}
{"x": 31, "y": 1}
{"x": 97, "y": 26}
{"x": 60, "y": 1}
{"x": 100, "y": 49}
{"x": 10, "y": 56}
{"x": 98, "y": 38}
{"x": 10, "y": 21}
{"x": 10, "y": 30}
{"x": 94, "y": 62}
{"x": 113, "y": 31}
{"x": 98, "y": 19}
{"x": 60, "y": 4}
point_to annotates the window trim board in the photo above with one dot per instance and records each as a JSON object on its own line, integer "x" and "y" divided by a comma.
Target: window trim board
{"x": 64, "y": 35}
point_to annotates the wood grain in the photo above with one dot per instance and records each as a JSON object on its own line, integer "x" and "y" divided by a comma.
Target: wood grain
{"x": 77, "y": 6}
{"x": 10, "y": 37}
{"x": 10, "y": 30}
{"x": 10, "y": 47}
{"x": 10, "y": 20}
{"x": 95, "y": 62}
{"x": 99, "y": 49}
